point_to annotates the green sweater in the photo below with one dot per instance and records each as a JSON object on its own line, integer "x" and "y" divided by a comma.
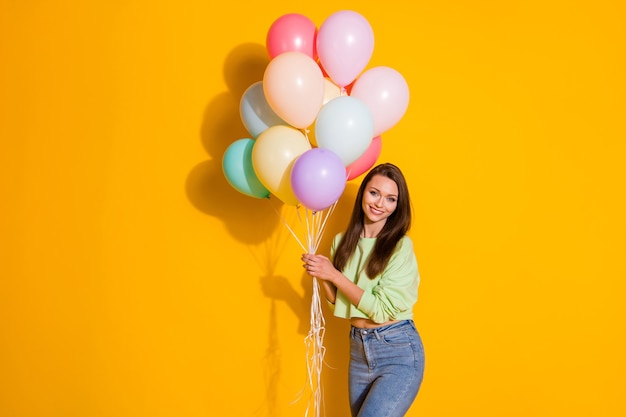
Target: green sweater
{"x": 389, "y": 296}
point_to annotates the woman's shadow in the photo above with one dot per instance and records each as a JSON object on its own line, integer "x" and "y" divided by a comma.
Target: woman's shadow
{"x": 255, "y": 223}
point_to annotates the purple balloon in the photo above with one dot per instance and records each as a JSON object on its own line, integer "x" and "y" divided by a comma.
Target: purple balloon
{"x": 318, "y": 178}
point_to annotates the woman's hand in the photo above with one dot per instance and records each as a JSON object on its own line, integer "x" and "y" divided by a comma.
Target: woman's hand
{"x": 319, "y": 266}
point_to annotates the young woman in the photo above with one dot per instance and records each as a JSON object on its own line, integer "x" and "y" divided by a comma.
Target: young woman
{"x": 372, "y": 280}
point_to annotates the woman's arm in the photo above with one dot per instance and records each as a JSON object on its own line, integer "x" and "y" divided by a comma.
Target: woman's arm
{"x": 330, "y": 290}
{"x": 396, "y": 291}
{"x": 320, "y": 267}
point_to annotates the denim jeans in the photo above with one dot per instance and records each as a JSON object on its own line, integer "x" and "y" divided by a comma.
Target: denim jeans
{"x": 386, "y": 369}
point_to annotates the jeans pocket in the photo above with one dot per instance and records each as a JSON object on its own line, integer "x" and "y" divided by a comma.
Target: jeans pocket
{"x": 397, "y": 339}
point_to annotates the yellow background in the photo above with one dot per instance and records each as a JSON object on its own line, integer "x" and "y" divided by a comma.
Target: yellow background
{"x": 134, "y": 281}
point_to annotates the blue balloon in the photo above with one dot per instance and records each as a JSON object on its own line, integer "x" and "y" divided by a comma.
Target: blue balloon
{"x": 238, "y": 169}
{"x": 256, "y": 113}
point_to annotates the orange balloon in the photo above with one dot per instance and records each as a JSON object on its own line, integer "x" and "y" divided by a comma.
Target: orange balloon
{"x": 293, "y": 84}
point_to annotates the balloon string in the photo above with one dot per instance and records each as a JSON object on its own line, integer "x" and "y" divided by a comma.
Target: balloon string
{"x": 329, "y": 211}
{"x": 315, "y": 352}
{"x": 306, "y": 134}
{"x": 290, "y": 229}
{"x": 314, "y": 223}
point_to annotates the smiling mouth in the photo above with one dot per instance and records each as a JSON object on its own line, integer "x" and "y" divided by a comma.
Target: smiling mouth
{"x": 375, "y": 211}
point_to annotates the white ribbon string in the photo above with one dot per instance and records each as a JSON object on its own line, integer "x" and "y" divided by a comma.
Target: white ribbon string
{"x": 314, "y": 222}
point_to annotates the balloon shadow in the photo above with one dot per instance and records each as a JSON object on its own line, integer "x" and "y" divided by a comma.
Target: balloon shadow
{"x": 206, "y": 186}
{"x": 257, "y": 221}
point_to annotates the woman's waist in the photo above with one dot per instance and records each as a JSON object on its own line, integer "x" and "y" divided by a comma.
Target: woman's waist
{"x": 363, "y": 323}
{"x": 383, "y": 329}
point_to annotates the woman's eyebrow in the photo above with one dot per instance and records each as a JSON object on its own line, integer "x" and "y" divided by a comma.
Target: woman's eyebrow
{"x": 379, "y": 192}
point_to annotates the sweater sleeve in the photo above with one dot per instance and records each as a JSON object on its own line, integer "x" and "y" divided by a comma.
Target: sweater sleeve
{"x": 396, "y": 291}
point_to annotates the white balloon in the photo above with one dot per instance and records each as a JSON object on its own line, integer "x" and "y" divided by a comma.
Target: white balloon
{"x": 345, "y": 126}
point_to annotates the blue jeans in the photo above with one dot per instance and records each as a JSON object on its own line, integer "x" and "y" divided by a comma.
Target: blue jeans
{"x": 386, "y": 369}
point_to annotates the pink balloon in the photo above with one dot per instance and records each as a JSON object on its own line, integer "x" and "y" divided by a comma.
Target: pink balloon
{"x": 345, "y": 43}
{"x": 293, "y": 84}
{"x": 386, "y": 93}
{"x": 366, "y": 161}
{"x": 292, "y": 32}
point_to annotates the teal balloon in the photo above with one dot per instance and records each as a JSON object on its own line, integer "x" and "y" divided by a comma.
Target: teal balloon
{"x": 238, "y": 169}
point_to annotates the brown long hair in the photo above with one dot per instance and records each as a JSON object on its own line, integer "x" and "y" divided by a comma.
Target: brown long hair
{"x": 395, "y": 228}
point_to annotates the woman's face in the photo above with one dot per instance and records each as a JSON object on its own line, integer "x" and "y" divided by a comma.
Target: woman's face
{"x": 380, "y": 199}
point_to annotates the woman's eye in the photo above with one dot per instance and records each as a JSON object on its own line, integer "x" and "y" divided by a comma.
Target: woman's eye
{"x": 373, "y": 193}
{"x": 391, "y": 199}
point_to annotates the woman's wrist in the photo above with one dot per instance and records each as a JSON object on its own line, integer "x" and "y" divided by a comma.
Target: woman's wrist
{"x": 336, "y": 277}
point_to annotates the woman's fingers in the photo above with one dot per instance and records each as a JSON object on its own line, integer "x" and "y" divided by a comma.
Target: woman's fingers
{"x": 315, "y": 265}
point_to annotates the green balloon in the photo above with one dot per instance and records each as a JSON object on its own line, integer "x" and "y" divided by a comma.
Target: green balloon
{"x": 238, "y": 169}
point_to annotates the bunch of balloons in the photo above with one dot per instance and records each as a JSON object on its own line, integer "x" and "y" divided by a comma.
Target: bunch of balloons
{"x": 317, "y": 117}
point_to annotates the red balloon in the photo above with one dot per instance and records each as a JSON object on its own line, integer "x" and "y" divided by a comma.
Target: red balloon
{"x": 365, "y": 161}
{"x": 292, "y": 32}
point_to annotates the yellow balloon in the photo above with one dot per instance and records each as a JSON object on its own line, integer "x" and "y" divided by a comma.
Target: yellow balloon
{"x": 273, "y": 156}
{"x": 331, "y": 90}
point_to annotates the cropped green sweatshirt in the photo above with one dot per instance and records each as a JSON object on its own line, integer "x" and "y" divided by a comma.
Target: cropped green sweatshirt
{"x": 388, "y": 296}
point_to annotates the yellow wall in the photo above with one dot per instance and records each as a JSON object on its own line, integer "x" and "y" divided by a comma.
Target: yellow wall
{"x": 134, "y": 281}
